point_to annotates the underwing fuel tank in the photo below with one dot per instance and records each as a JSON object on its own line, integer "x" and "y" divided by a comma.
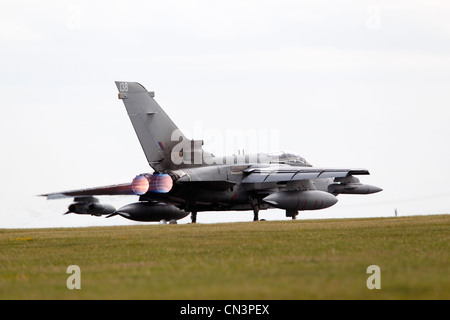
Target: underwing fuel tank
{"x": 353, "y": 188}
{"x": 150, "y": 212}
{"x": 301, "y": 200}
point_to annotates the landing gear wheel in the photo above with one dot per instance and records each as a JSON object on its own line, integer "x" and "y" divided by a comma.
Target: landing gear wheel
{"x": 256, "y": 214}
{"x": 193, "y": 217}
{"x": 292, "y": 213}
{"x": 254, "y": 204}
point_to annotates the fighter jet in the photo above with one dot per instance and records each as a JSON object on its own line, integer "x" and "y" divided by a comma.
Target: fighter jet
{"x": 187, "y": 179}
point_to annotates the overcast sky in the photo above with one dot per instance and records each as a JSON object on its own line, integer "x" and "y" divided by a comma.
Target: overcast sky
{"x": 354, "y": 83}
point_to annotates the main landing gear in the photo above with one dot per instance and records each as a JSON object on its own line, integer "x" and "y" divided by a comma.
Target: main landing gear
{"x": 292, "y": 213}
{"x": 289, "y": 213}
{"x": 256, "y": 213}
{"x": 255, "y": 206}
{"x": 194, "y": 217}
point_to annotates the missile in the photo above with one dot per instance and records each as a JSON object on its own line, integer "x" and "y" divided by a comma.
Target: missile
{"x": 301, "y": 200}
{"x": 99, "y": 209}
{"x": 353, "y": 188}
{"x": 92, "y": 208}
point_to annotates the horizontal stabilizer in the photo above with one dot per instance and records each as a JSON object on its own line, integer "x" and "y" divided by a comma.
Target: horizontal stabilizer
{"x": 118, "y": 189}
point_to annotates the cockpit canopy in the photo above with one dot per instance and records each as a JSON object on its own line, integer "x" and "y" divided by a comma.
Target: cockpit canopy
{"x": 288, "y": 158}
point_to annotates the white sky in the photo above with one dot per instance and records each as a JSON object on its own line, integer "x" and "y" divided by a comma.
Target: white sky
{"x": 354, "y": 83}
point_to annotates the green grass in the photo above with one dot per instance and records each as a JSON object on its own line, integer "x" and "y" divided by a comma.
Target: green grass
{"x": 312, "y": 259}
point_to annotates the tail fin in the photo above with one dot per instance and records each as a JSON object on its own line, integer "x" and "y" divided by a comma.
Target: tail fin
{"x": 153, "y": 126}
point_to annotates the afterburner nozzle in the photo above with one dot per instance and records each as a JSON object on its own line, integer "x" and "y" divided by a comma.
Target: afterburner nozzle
{"x": 157, "y": 183}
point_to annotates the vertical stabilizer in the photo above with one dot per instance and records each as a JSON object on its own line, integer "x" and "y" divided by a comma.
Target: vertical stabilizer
{"x": 153, "y": 126}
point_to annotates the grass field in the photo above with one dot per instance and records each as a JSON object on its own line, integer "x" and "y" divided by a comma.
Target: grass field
{"x": 303, "y": 259}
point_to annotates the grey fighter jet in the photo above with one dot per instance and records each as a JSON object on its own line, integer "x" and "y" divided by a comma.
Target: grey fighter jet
{"x": 187, "y": 179}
